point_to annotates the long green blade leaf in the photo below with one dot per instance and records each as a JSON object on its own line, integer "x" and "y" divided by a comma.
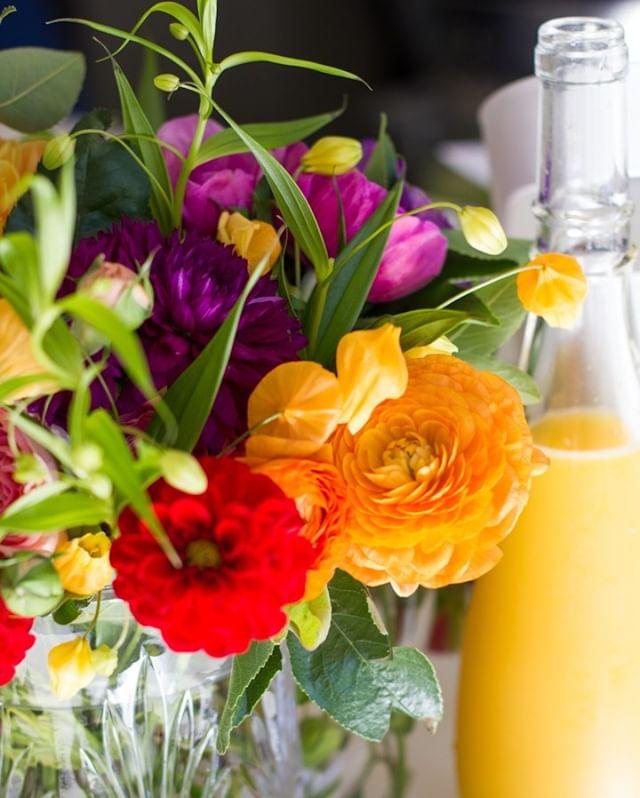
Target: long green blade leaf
{"x": 269, "y": 134}
{"x": 57, "y": 512}
{"x": 255, "y": 56}
{"x": 291, "y": 201}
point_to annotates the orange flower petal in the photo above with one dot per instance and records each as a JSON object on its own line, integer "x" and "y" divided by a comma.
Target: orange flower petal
{"x": 371, "y": 368}
{"x": 436, "y": 478}
{"x": 252, "y": 239}
{"x": 305, "y": 397}
{"x": 320, "y": 496}
{"x": 554, "y": 290}
{"x": 16, "y": 356}
{"x": 17, "y": 159}
{"x": 269, "y": 447}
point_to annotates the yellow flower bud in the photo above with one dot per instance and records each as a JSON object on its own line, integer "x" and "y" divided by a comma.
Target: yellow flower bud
{"x": 71, "y": 667}
{"x": 166, "y": 82}
{"x": 179, "y": 31}
{"x": 252, "y": 240}
{"x": 105, "y": 660}
{"x": 83, "y": 563}
{"x": 332, "y": 155}
{"x": 482, "y": 230}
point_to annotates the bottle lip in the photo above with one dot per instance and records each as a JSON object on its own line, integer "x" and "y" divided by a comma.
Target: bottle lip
{"x": 581, "y": 50}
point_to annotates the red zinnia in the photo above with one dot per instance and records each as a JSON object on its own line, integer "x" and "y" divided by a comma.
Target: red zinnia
{"x": 15, "y": 641}
{"x": 243, "y": 561}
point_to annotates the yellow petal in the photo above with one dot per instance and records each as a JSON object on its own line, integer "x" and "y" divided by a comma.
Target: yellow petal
{"x": 16, "y": 356}
{"x": 83, "y": 564}
{"x": 252, "y": 239}
{"x": 71, "y": 667}
{"x": 554, "y": 288}
{"x": 441, "y": 346}
{"x": 332, "y": 155}
{"x": 371, "y": 369}
{"x": 305, "y": 397}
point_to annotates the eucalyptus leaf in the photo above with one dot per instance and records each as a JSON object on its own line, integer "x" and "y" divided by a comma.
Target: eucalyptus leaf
{"x": 291, "y": 202}
{"x": 39, "y": 87}
{"x": 269, "y": 134}
{"x": 251, "y": 674}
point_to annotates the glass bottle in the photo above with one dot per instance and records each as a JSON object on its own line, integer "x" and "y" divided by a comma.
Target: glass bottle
{"x": 549, "y": 701}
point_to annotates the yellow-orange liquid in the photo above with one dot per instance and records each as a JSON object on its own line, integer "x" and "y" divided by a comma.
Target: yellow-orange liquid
{"x": 549, "y": 702}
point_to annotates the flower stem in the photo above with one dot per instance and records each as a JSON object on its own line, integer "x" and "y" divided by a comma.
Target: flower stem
{"x": 487, "y": 283}
{"x": 234, "y": 444}
{"x": 96, "y": 616}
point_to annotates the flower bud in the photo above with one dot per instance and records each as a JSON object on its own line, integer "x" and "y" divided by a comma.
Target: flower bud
{"x": 183, "y": 472}
{"x": 122, "y": 290}
{"x": 87, "y": 458}
{"x": 482, "y": 230}
{"x": 252, "y": 240}
{"x": 178, "y": 31}
{"x": 58, "y": 151}
{"x": 83, "y": 563}
{"x": 71, "y": 667}
{"x": 167, "y": 82}
{"x": 332, "y": 155}
{"x": 29, "y": 469}
{"x": 105, "y": 660}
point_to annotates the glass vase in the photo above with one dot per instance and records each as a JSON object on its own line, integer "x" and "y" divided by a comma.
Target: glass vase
{"x": 148, "y": 731}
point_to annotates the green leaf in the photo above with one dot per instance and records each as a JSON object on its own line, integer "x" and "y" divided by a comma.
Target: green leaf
{"x": 136, "y": 122}
{"x": 39, "y": 87}
{"x": 192, "y": 395}
{"x": 251, "y": 675}
{"x": 335, "y": 306}
{"x": 269, "y": 134}
{"x": 151, "y": 100}
{"x": 52, "y": 513}
{"x": 31, "y": 591}
{"x": 356, "y": 678}
{"x": 502, "y": 300}
{"x": 291, "y": 201}
{"x": 208, "y": 13}
{"x": 524, "y": 383}
{"x": 6, "y": 11}
{"x": 310, "y": 620}
{"x": 383, "y": 163}
{"x": 255, "y": 56}
{"x": 321, "y": 739}
{"x": 125, "y": 343}
{"x": 466, "y": 263}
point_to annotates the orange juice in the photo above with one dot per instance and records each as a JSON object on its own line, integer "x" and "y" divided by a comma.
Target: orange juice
{"x": 549, "y": 703}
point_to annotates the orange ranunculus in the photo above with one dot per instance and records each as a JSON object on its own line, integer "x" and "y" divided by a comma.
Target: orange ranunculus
{"x": 437, "y": 478}
{"x": 319, "y": 494}
{"x": 371, "y": 368}
{"x": 303, "y": 400}
{"x": 16, "y": 355}
{"x": 252, "y": 239}
{"x": 553, "y": 288}
{"x": 17, "y": 159}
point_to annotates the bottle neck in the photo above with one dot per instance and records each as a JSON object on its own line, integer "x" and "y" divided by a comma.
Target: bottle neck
{"x": 583, "y": 206}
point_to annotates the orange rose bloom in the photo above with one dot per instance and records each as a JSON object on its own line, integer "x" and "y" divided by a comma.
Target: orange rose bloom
{"x": 320, "y": 496}
{"x": 437, "y": 478}
{"x": 17, "y": 159}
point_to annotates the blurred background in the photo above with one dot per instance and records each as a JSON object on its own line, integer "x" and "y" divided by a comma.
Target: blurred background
{"x": 430, "y": 62}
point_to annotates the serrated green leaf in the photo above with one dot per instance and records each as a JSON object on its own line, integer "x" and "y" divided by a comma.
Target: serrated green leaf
{"x": 255, "y": 56}
{"x": 39, "y": 87}
{"x": 251, "y": 675}
{"x": 269, "y": 134}
{"x": 192, "y": 395}
{"x": 335, "y": 306}
{"x": 502, "y": 300}
{"x": 291, "y": 202}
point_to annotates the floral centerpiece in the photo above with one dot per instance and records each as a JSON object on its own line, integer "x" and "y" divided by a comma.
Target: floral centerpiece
{"x": 243, "y": 380}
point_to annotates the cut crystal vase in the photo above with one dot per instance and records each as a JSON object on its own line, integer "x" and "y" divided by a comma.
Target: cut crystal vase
{"x": 148, "y": 731}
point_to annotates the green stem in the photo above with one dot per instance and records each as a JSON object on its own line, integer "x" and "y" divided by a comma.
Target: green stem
{"x": 487, "y": 283}
{"x": 96, "y": 616}
{"x": 400, "y": 775}
{"x": 189, "y": 164}
{"x": 317, "y": 311}
{"x": 233, "y": 445}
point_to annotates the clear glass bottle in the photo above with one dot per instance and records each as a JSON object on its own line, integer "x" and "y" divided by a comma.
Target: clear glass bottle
{"x": 549, "y": 702}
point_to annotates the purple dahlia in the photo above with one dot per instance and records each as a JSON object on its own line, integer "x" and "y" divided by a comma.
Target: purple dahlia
{"x": 196, "y": 282}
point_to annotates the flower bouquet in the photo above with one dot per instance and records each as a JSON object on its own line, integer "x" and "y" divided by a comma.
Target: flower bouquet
{"x": 244, "y": 380}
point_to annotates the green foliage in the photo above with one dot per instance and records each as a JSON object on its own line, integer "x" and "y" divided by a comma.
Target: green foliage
{"x": 251, "y": 675}
{"x": 39, "y": 87}
{"x": 254, "y": 56}
{"x": 336, "y": 304}
{"x": 356, "y": 677}
{"x": 31, "y": 588}
{"x": 383, "y": 163}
